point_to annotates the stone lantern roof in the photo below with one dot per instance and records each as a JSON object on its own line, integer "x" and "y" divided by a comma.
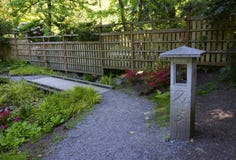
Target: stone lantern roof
{"x": 183, "y": 52}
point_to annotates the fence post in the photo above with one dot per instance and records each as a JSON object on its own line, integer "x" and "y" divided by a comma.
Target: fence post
{"x": 187, "y": 31}
{"x": 100, "y": 49}
{"x": 132, "y": 46}
{"x": 29, "y": 47}
{"x": 65, "y": 54}
{"x": 16, "y": 46}
{"x": 44, "y": 53}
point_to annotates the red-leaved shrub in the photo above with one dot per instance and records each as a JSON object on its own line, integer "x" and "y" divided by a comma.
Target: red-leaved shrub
{"x": 3, "y": 116}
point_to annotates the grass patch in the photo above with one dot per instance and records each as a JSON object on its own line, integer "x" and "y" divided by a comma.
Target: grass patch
{"x": 162, "y": 109}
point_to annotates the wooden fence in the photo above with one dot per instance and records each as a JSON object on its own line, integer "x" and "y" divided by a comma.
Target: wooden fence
{"x": 135, "y": 50}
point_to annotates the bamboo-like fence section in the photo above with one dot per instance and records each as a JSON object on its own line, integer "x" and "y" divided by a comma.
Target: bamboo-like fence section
{"x": 133, "y": 49}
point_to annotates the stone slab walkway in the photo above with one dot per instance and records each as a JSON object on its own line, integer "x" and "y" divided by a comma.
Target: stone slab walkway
{"x": 58, "y": 83}
{"x": 63, "y": 84}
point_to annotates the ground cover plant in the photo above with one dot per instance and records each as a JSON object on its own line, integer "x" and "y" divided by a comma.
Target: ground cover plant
{"x": 107, "y": 79}
{"x": 28, "y": 113}
{"x": 15, "y": 67}
{"x": 162, "y": 109}
{"x": 23, "y": 68}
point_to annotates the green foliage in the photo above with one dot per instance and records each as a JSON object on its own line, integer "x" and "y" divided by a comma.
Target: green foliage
{"x": 26, "y": 69}
{"x": 5, "y": 27}
{"x": 89, "y": 77}
{"x": 162, "y": 110}
{"x": 17, "y": 134}
{"x": 59, "y": 107}
{"x": 54, "y": 15}
{"x": 4, "y": 80}
{"x": 107, "y": 79}
{"x": 32, "y": 119}
{"x": 57, "y": 137}
{"x": 194, "y": 8}
{"x": 207, "y": 88}
{"x": 3, "y": 66}
{"x": 14, "y": 156}
{"x": 166, "y": 137}
{"x": 19, "y": 94}
{"x": 220, "y": 10}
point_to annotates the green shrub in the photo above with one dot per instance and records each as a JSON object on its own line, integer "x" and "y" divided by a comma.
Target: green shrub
{"x": 19, "y": 94}
{"x": 14, "y": 156}
{"x": 37, "y": 114}
{"x": 4, "y": 80}
{"x": 30, "y": 70}
{"x": 18, "y": 133}
{"x": 59, "y": 107}
{"x": 162, "y": 110}
{"x": 107, "y": 79}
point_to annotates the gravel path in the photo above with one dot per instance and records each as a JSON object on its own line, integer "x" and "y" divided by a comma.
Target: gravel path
{"x": 117, "y": 129}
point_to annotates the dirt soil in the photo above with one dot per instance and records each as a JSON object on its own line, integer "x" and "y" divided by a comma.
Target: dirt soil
{"x": 215, "y": 128}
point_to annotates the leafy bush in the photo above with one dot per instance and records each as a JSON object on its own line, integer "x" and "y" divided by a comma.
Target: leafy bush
{"x": 89, "y": 77}
{"x": 152, "y": 79}
{"x": 160, "y": 78}
{"x": 59, "y": 107}
{"x": 30, "y": 121}
{"x": 162, "y": 110}
{"x": 229, "y": 72}
{"x": 14, "y": 155}
{"x": 17, "y": 134}
{"x": 26, "y": 69}
{"x": 3, "y": 117}
{"x": 19, "y": 94}
{"x": 107, "y": 79}
{"x": 4, "y": 80}
{"x": 132, "y": 76}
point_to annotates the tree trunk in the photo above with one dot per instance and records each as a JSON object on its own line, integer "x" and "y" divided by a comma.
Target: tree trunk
{"x": 49, "y": 3}
{"x": 122, "y": 14}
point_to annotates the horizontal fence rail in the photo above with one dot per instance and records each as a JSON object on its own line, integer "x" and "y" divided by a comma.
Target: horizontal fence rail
{"x": 130, "y": 50}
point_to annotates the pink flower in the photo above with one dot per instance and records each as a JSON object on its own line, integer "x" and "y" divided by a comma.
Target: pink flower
{"x": 152, "y": 84}
{"x": 17, "y": 119}
{"x": 4, "y": 127}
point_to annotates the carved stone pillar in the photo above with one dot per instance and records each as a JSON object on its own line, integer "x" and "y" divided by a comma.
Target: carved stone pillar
{"x": 183, "y": 91}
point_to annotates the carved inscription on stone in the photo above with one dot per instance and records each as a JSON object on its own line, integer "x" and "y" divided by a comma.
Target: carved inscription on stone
{"x": 180, "y": 101}
{"x": 180, "y": 97}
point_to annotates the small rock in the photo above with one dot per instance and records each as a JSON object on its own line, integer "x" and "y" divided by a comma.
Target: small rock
{"x": 146, "y": 118}
{"x": 200, "y": 149}
{"x": 148, "y": 125}
{"x": 118, "y": 81}
{"x": 40, "y": 155}
{"x": 10, "y": 108}
{"x": 192, "y": 140}
{"x": 132, "y": 132}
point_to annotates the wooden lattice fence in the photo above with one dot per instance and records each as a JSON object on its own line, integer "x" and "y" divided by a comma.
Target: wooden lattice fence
{"x": 134, "y": 49}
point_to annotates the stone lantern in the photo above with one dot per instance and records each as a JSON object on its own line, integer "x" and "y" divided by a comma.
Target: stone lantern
{"x": 183, "y": 91}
